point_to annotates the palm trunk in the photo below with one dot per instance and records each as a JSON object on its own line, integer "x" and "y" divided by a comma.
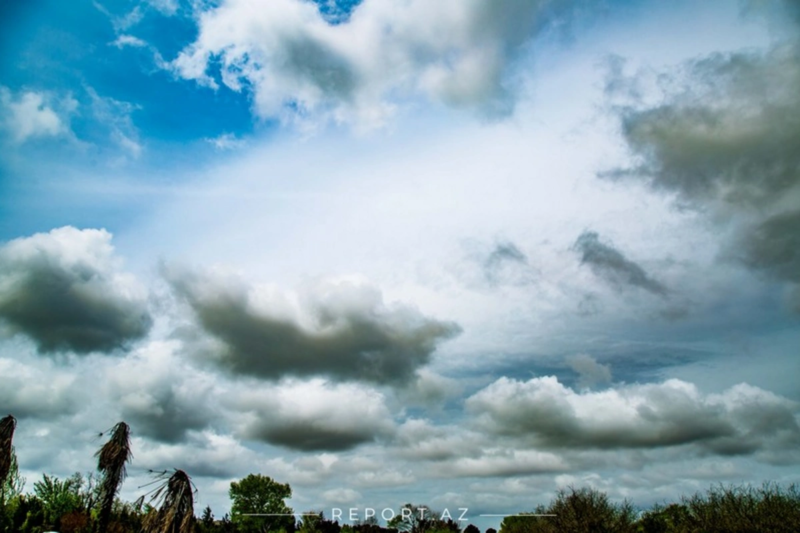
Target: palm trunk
{"x": 112, "y": 458}
{"x": 7, "y": 426}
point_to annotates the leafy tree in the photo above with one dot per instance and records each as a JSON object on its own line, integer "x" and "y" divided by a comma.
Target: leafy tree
{"x": 261, "y": 495}
{"x": 575, "y": 511}
{"x": 472, "y": 529}
{"x": 208, "y": 517}
{"x": 421, "y": 519}
{"x": 59, "y": 497}
{"x": 10, "y": 491}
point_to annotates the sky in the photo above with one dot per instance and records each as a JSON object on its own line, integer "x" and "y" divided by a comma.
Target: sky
{"x": 460, "y": 253}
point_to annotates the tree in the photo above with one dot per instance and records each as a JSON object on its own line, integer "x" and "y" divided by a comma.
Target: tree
{"x": 261, "y": 495}
{"x": 208, "y": 517}
{"x": 421, "y": 519}
{"x": 111, "y": 461}
{"x": 472, "y": 529}
{"x": 583, "y": 510}
{"x": 175, "y": 512}
{"x": 10, "y": 492}
{"x": 59, "y": 497}
{"x": 7, "y": 426}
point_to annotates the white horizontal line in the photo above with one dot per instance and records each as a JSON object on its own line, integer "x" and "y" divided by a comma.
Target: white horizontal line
{"x": 526, "y": 514}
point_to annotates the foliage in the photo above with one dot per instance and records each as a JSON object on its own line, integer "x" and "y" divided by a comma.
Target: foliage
{"x": 258, "y": 494}
{"x": 421, "y": 519}
{"x": 575, "y": 511}
{"x": 59, "y": 497}
{"x": 731, "y": 510}
{"x": 10, "y": 490}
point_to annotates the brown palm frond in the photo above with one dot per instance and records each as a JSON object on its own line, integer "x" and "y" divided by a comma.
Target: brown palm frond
{"x": 111, "y": 461}
{"x": 175, "y": 512}
{"x": 7, "y": 426}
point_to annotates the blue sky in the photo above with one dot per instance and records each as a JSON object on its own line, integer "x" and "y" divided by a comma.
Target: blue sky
{"x": 455, "y": 253}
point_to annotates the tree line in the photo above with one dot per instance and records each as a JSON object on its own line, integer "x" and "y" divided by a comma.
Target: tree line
{"x": 90, "y": 504}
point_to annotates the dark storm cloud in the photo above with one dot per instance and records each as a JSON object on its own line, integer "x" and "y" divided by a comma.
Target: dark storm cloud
{"x": 62, "y": 291}
{"x": 610, "y": 264}
{"x": 340, "y": 330}
{"x": 542, "y": 412}
{"x": 728, "y": 143}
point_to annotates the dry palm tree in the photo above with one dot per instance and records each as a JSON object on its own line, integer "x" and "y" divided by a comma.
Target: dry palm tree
{"x": 175, "y": 512}
{"x": 7, "y": 426}
{"x": 111, "y": 461}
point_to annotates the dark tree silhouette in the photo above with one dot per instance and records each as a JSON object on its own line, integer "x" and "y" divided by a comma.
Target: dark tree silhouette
{"x": 175, "y": 513}
{"x": 7, "y": 426}
{"x": 111, "y": 461}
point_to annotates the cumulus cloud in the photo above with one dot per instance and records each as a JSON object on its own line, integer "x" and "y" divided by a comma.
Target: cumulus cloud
{"x": 31, "y": 392}
{"x": 542, "y": 412}
{"x": 292, "y": 58}
{"x": 315, "y": 415}
{"x": 610, "y": 264}
{"x": 35, "y": 114}
{"x": 159, "y": 395}
{"x": 725, "y": 140}
{"x": 342, "y": 330}
{"x": 65, "y": 291}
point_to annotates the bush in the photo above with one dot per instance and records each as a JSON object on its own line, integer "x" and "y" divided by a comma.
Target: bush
{"x": 731, "y": 510}
{"x": 575, "y": 511}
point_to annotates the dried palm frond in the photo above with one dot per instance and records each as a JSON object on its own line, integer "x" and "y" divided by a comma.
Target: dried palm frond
{"x": 175, "y": 509}
{"x": 111, "y": 461}
{"x": 7, "y": 426}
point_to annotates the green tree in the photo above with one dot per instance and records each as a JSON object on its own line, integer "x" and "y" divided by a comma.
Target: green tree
{"x": 261, "y": 495}
{"x": 575, "y": 511}
{"x": 10, "y": 491}
{"x": 59, "y": 497}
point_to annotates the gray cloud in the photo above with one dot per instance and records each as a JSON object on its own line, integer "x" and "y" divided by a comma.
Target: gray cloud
{"x": 159, "y": 396}
{"x": 315, "y": 416}
{"x": 726, "y": 141}
{"x": 506, "y": 262}
{"x": 542, "y": 412}
{"x": 63, "y": 290}
{"x": 340, "y": 330}
{"x": 590, "y": 371}
{"x": 29, "y": 392}
{"x": 610, "y": 264}
{"x": 773, "y": 246}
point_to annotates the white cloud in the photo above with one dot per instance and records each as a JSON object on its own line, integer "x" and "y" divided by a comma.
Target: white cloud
{"x": 742, "y": 420}
{"x": 32, "y": 114}
{"x": 128, "y": 40}
{"x": 453, "y": 51}
{"x": 314, "y": 415}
